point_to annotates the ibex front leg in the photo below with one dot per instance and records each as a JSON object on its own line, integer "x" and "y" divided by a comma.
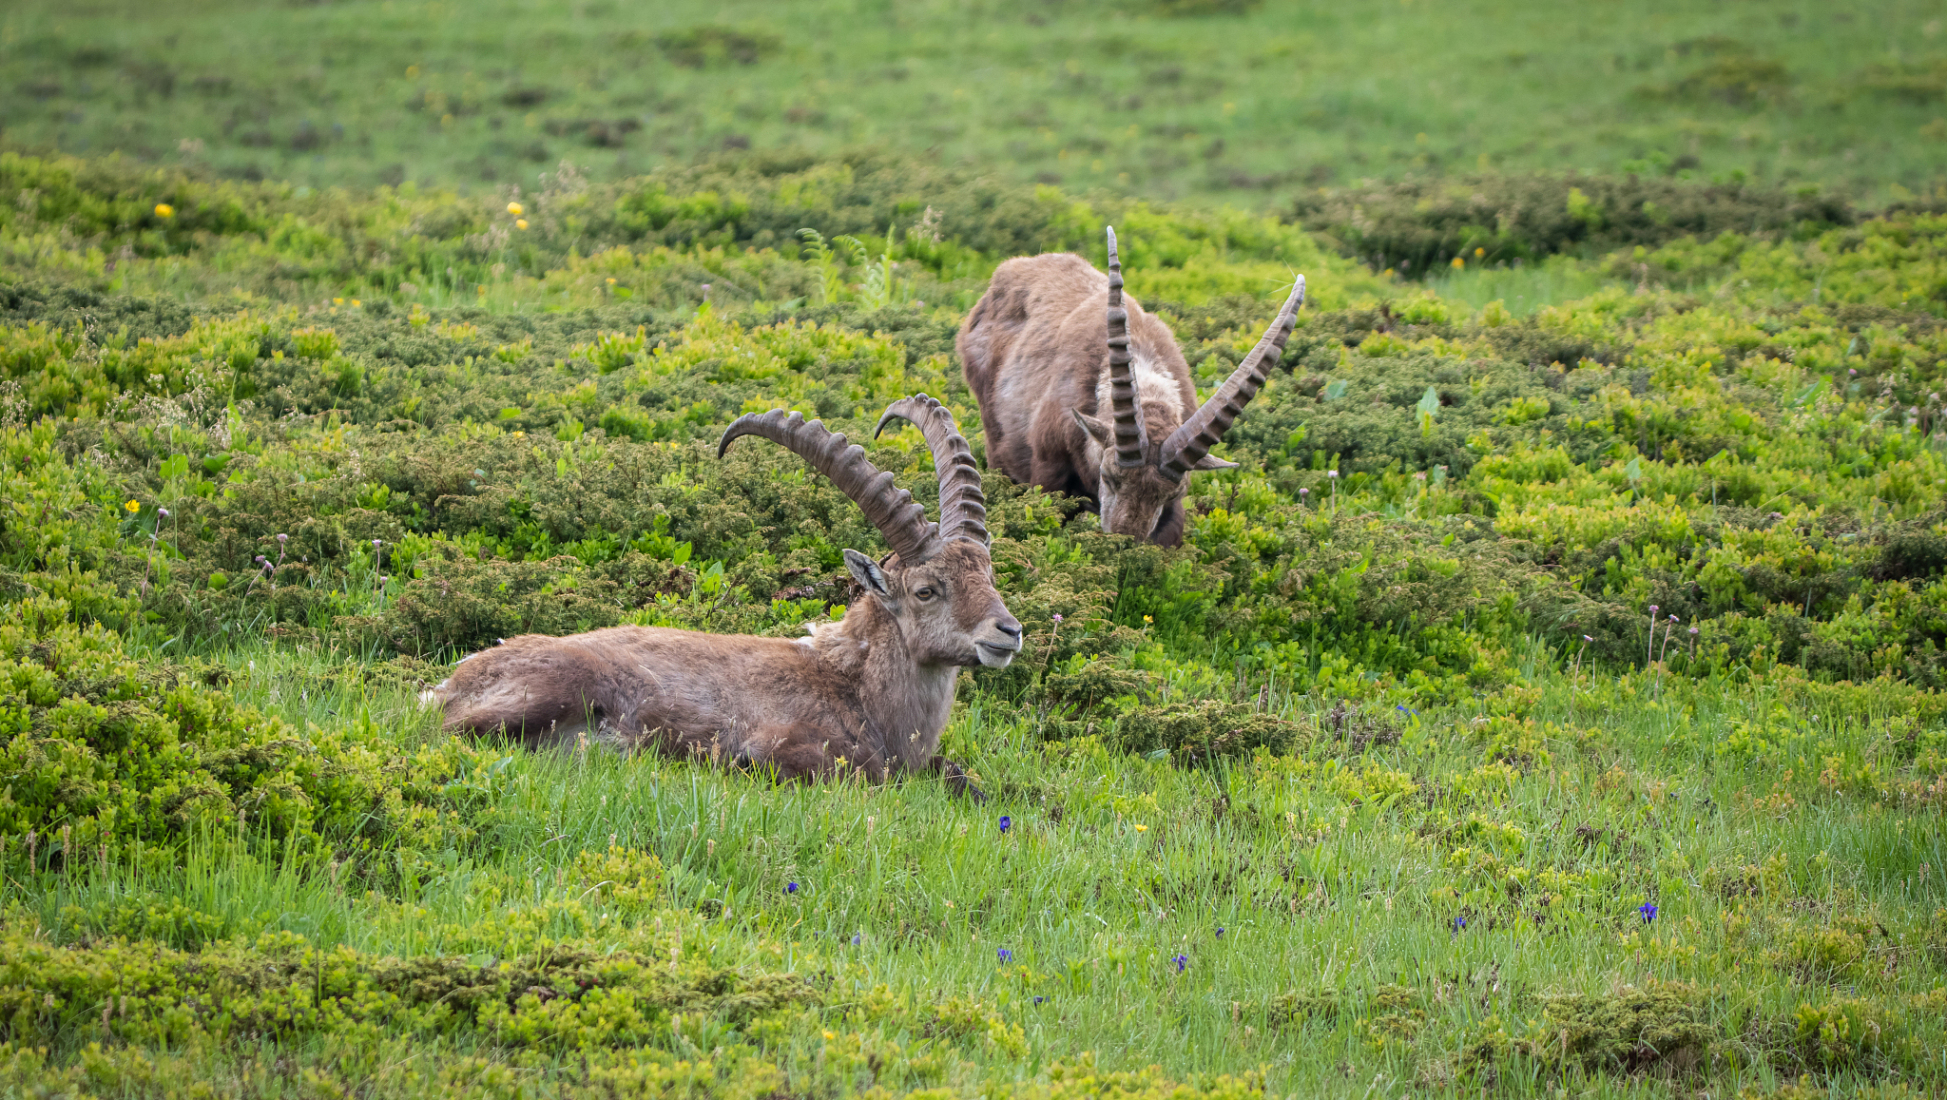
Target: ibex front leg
{"x": 956, "y": 779}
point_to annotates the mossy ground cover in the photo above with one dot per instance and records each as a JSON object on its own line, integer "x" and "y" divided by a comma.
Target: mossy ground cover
{"x": 1551, "y": 700}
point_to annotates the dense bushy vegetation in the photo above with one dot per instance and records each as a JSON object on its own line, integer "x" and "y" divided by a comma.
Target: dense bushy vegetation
{"x": 1421, "y": 226}
{"x": 731, "y": 231}
{"x": 1548, "y": 700}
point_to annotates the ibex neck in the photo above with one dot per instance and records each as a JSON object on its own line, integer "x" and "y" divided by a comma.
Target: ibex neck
{"x": 905, "y": 703}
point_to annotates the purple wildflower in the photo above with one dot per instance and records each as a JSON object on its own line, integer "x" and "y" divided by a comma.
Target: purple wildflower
{"x": 1006, "y": 822}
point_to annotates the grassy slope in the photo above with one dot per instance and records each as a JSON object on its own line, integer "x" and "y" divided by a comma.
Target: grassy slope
{"x": 1493, "y": 769}
{"x": 1118, "y": 95}
{"x": 1331, "y": 898}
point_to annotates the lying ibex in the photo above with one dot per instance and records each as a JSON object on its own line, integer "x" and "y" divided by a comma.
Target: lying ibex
{"x": 871, "y": 691}
{"x": 1043, "y": 365}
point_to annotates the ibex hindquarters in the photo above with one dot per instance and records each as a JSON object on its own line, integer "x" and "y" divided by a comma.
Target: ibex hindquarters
{"x": 1082, "y": 391}
{"x": 673, "y": 691}
{"x": 871, "y": 692}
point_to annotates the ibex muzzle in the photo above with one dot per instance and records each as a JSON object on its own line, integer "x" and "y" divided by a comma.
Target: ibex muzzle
{"x": 1098, "y": 402}
{"x": 870, "y": 692}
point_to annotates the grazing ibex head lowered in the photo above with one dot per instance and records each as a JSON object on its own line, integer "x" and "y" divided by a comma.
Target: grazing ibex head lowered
{"x": 1101, "y": 404}
{"x": 871, "y": 691}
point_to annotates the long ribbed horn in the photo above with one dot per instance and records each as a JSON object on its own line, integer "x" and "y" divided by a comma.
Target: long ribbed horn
{"x": 1192, "y": 439}
{"x": 891, "y": 509}
{"x": 1122, "y": 384}
{"x": 963, "y": 506}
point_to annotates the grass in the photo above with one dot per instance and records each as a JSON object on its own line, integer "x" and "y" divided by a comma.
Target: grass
{"x": 1522, "y": 288}
{"x": 1115, "y": 865}
{"x": 1209, "y": 101}
{"x": 1380, "y": 785}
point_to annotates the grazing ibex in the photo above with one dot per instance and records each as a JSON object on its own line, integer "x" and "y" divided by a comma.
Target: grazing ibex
{"x": 871, "y": 691}
{"x": 1044, "y": 365}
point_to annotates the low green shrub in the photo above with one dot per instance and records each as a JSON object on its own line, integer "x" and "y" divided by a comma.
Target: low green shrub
{"x": 1421, "y": 227}
{"x": 104, "y": 752}
{"x": 1666, "y": 1026}
{"x": 281, "y": 987}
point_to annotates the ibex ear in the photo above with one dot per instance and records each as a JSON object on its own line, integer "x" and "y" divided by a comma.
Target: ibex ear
{"x": 1097, "y": 430}
{"x": 867, "y": 572}
{"x": 1211, "y": 462}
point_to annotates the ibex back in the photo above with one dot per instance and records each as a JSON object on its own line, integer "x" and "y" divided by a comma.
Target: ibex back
{"x": 1053, "y": 345}
{"x": 871, "y": 691}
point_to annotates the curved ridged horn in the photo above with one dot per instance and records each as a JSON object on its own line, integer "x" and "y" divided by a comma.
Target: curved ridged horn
{"x": 1192, "y": 439}
{"x": 891, "y": 509}
{"x": 963, "y": 506}
{"x": 1122, "y": 384}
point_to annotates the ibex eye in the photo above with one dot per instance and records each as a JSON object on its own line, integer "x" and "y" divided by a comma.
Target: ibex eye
{"x": 924, "y": 593}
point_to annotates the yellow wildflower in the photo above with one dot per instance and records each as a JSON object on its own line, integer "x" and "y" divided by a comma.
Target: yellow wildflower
{"x": 355, "y": 303}
{"x": 164, "y": 210}
{"x": 1148, "y": 619}
{"x": 520, "y": 223}
{"x": 1459, "y": 263}
{"x": 514, "y": 208}
{"x": 1479, "y": 252}
{"x": 133, "y": 507}
{"x": 1142, "y": 828}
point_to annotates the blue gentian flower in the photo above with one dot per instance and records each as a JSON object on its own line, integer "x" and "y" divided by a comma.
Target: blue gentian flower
{"x": 1005, "y": 955}
{"x": 1006, "y": 822}
{"x": 1459, "y": 923}
{"x": 790, "y": 887}
{"x": 1648, "y": 910}
{"x": 1220, "y": 933}
{"x": 1181, "y": 961}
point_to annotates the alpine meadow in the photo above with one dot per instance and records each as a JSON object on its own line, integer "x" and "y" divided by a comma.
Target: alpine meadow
{"x": 1551, "y": 701}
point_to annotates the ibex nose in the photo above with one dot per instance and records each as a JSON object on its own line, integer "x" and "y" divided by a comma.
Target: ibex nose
{"x": 1010, "y": 627}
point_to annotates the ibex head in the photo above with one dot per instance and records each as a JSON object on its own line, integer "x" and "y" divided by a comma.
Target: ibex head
{"x": 1141, "y": 482}
{"x": 938, "y": 584}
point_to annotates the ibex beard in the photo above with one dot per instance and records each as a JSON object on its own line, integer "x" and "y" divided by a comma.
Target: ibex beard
{"x": 870, "y": 692}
